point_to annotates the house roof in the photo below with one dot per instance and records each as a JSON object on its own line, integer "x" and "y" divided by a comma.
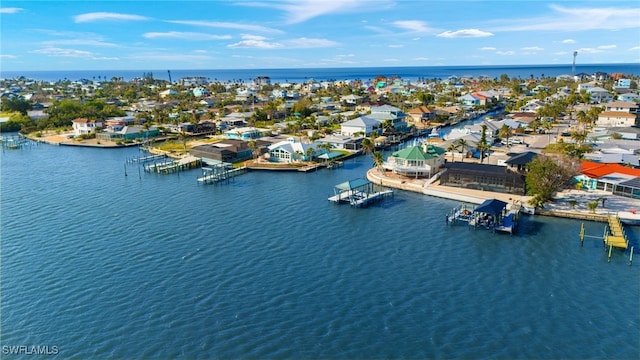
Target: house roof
{"x": 595, "y": 170}
{"x": 475, "y": 167}
{"x": 352, "y": 184}
{"x": 362, "y": 121}
{"x": 418, "y": 153}
{"x": 521, "y": 159}
{"x": 491, "y": 206}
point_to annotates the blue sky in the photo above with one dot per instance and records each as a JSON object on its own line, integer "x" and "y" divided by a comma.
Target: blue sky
{"x": 207, "y": 34}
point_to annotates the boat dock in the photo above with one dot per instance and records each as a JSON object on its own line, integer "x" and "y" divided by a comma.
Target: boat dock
{"x": 220, "y": 172}
{"x": 169, "y": 167}
{"x": 616, "y": 237}
{"x": 146, "y": 159}
{"x": 358, "y": 193}
{"x": 492, "y": 214}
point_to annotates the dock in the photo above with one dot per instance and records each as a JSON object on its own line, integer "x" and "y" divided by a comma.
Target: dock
{"x": 169, "y": 167}
{"x": 358, "y": 193}
{"x": 616, "y": 237}
{"x": 492, "y": 214}
{"x": 219, "y": 173}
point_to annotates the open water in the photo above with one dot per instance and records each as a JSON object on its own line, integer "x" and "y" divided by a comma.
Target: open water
{"x": 101, "y": 265}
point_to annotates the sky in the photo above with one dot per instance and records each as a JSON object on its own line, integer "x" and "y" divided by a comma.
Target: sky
{"x": 269, "y": 34}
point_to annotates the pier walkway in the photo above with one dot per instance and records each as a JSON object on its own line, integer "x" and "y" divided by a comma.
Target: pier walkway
{"x": 617, "y": 238}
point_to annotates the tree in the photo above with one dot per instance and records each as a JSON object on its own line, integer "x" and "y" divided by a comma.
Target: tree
{"x": 16, "y": 104}
{"x": 452, "y": 148}
{"x": 546, "y": 175}
{"x": 378, "y": 160}
{"x": 505, "y": 131}
{"x": 483, "y": 145}
{"x": 462, "y": 144}
{"x": 367, "y": 146}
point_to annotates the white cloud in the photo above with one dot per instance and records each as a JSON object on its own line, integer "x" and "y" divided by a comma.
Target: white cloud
{"x": 412, "y": 25}
{"x": 10, "y": 10}
{"x": 106, "y": 58}
{"x": 396, "y": 46}
{"x": 577, "y": 19}
{"x": 170, "y": 57}
{"x": 465, "y": 33}
{"x": 635, "y": 48}
{"x": 505, "y": 53}
{"x": 607, "y": 47}
{"x": 391, "y": 60}
{"x": 532, "y": 48}
{"x": 487, "y": 48}
{"x": 227, "y": 25}
{"x": 108, "y": 16}
{"x": 297, "y": 11}
{"x": 185, "y": 36}
{"x": 568, "y": 41}
{"x": 261, "y": 42}
{"x": 7, "y": 56}
{"x": 589, "y": 51}
{"x": 78, "y": 42}
{"x": 421, "y": 59}
{"x": 308, "y": 43}
{"x": 416, "y": 39}
{"x": 60, "y": 52}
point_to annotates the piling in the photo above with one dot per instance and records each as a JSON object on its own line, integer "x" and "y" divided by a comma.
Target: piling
{"x": 609, "y": 257}
{"x": 631, "y": 256}
{"x": 582, "y": 235}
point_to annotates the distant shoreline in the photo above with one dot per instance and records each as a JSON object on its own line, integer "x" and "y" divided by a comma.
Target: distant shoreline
{"x": 339, "y": 73}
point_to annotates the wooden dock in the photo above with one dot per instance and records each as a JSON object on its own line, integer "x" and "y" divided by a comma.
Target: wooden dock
{"x": 169, "y": 167}
{"x": 220, "y": 173}
{"x": 617, "y": 238}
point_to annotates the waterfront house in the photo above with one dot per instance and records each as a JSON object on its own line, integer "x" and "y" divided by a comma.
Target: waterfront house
{"x": 342, "y": 142}
{"x": 228, "y": 151}
{"x": 483, "y": 177}
{"x": 614, "y": 178}
{"x": 117, "y": 133}
{"x": 245, "y": 133}
{"x": 416, "y": 161}
{"x": 362, "y": 126}
{"x": 421, "y": 115}
{"x": 290, "y": 150}
{"x": 82, "y": 126}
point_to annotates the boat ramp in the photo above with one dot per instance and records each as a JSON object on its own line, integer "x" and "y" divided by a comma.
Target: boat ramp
{"x": 358, "y": 193}
{"x": 492, "y": 215}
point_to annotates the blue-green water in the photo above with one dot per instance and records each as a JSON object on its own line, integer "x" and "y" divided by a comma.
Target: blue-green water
{"x": 101, "y": 265}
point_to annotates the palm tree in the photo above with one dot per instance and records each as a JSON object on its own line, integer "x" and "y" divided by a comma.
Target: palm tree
{"x": 367, "y": 146}
{"x": 505, "y": 131}
{"x": 483, "y": 145}
{"x": 452, "y": 148}
{"x": 462, "y": 144}
{"x": 378, "y": 160}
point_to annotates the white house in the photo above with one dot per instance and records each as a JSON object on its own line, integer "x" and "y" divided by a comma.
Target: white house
{"x": 290, "y": 150}
{"x": 416, "y": 161}
{"x": 83, "y": 126}
{"x": 599, "y": 95}
{"x": 362, "y": 125}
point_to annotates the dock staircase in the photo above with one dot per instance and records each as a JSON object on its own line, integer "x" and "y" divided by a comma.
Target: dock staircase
{"x": 616, "y": 236}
